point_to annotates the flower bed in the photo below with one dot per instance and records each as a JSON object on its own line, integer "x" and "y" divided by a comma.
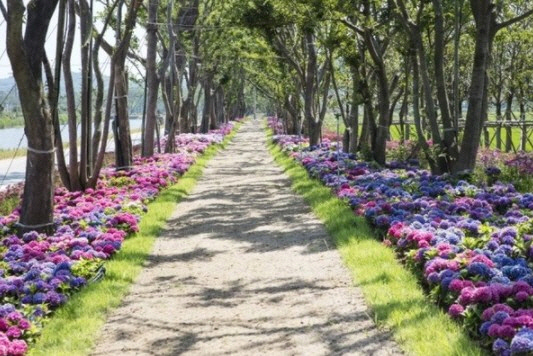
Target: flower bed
{"x": 470, "y": 245}
{"x": 39, "y": 272}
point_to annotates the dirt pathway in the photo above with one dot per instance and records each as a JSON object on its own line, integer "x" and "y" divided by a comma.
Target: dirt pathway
{"x": 243, "y": 268}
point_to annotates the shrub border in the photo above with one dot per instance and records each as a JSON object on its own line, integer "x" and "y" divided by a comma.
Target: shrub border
{"x": 74, "y": 327}
{"x": 396, "y": 299}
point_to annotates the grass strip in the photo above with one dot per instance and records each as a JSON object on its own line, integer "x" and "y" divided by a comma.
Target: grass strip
{"x": 391, "y": 291}
{"x": 74, "y": 327}
{"x": 12, "y": 153}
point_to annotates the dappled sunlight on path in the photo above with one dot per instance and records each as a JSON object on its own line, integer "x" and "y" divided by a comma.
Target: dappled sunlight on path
{"x": 243, "y": 268}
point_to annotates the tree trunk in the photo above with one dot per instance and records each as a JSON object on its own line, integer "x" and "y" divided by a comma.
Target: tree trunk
{"x": 508, "y": 118}
{"x": 151, "y": 78}
{"x": 54, "y": 82}
{"x": 524, "y": 133}
{"x": 353, "y": 116}
{"x": 26, "y": 55}
{"x": 309, "y": 90}
{"x": 416, "y": 113}
{"x": 123, "y": 150}
{"x": 219, "y": 106}
{"x": 207, "y": 104}
{"x": 478, "y": 87}
{"x": 86, "y": 92}
{"x": 382, "y": 130}
{"x": 451, "y": 149}
{"x": 74, "y": 178}
{"x": 124, "y": 153}
{"x": 98, "y": 103}
{"x": 212, "y": 109}
{"x": 354, "y": 129}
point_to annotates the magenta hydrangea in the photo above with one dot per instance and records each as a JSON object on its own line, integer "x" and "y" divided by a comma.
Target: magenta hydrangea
{"x": 40, "y": 271}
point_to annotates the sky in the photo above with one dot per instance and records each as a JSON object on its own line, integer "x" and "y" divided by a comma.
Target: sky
{"x": 5, "y": 67}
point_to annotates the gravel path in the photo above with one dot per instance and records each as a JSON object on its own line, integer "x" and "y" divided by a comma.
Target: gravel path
{"x": 243, "y": 268}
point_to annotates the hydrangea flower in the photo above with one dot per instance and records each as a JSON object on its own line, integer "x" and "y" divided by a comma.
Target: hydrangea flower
{"x": 40, "y": 272}
{"x": 472, "y": 244}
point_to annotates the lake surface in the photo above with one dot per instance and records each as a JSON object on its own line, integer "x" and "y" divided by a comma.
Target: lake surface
{"x": 10, "y": 138}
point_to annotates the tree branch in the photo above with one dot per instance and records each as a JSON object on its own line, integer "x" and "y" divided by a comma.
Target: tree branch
{"x": 513, "y": 20}
{"x": 3, "y": 9}
{"x": 356, "y": 28}
{"x": 109, "y": 49}
{"x": 285, "y": 54}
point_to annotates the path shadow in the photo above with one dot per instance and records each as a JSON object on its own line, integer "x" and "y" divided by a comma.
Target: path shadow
{"x": 341, "y": 333}
{"x": 249, "y": 202}
{"x": 257, "y": 214}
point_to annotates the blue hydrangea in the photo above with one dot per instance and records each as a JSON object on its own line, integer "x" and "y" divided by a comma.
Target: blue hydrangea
{"x": 500, "y": 345}
{"x": 499, "y": 317}
{"x": 38, "y": 298}
{"x": 522, "y": 343}
{"x": 479, "y": 269}
{"x": 515, "y": 272}
{"x": 484, "y": 328}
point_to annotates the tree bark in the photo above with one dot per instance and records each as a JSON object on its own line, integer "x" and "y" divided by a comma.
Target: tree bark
{"x": 508, "y": 118}
{"x": 86, "y": 95}
{"x": 71, "y": 101}
{"x": 483, "y": 14}
{"x": 151, "y": 78}
{"x": 26, "y": 54}
{"x": 124, "y": 152}
{"x": 310, "y": 89}
{"x": 451, "y": 149}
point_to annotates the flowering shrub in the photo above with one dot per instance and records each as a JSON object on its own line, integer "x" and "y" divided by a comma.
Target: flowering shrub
{"x": 472, "y": 245}
{"x": 401, "y": 151}
{"x": 38, "y": 272}
{"x": 523, "y": 162}
{"x": 513, "y": 168}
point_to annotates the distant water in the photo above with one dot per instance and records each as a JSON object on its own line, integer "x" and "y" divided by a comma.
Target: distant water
{"x": 10, "y": 138}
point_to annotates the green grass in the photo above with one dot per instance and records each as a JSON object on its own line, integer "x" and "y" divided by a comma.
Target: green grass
{"x": 8, "y": 205}
{"x": 392, "y": 292}
{"x": 10, "y": 120}
{"x": 330, "y": 124}
{"x": 73, "y": 328}
{"x": 11, "y": 153}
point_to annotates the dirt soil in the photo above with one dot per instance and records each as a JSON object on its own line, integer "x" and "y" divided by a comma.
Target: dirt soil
{"x": 243, "y": 268}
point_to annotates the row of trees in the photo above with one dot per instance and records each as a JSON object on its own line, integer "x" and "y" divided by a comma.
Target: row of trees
{"x": 180, "y": 70}
{"x": 374, "y": 60}
{"x": 388, "y": 58}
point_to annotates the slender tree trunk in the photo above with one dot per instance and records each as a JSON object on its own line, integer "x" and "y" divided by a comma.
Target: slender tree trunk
{"x": 524, "y": 135}
{"x": 478, "y": 87}
{"x": 457, "y": 100}
{"x": 85, "y": 116}
{"x": 74, "y": 178}
{"x": 310, "y": 89}
{"x": 431, "y": 114}
{"x": 124, "y": 153}
{"x": 151, "y": 78}
{"x": 451, "y": 149}
{"x": 207, "y": 105}
{"x": 382, "y": 130}
{"x": 508, "y": 118}
{"x": 54, "y": 95}
{"x": 416, "y": 113}
{"x": 99, "y": 101}
{"x": 219, "y": 106}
